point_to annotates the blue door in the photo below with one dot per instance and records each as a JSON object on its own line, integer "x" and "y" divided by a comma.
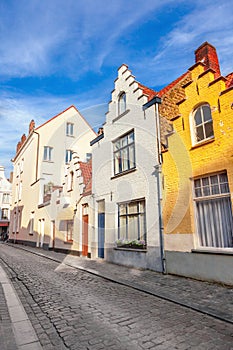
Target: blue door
{"x": 101, "y": 226}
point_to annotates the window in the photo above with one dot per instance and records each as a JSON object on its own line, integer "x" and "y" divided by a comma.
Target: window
{"x": 122, "y": 103}
{"x": 5, "y": 214}
{"x": 6, "y": 198}
{"x": 69, "y": 129}
{"x": 70, "y": 181}
{"x": 131, "y": 220}
{"x": 213, "y": 211}
{"x": 31, "y": 223}
{"x": 48, "y": 153}
{"x": 124, "y": 153}
{"x": 20, "y": 190}
{"x": 88, "y": 156}
{"x": 68, "y": 155}
{"x": 203, "y": 123}
{"x": 69, "y": 232}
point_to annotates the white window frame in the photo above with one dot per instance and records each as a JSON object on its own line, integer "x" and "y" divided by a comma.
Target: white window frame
{"x": 202, "y": 125}
{"x": 69, "y": 129}
{"x": 126, "y": 214}
{"x": 5, "y": 214}
{"x": 69, "y": 155}
{"x": 124, "y": 153}
{"x": 6, "y": 198}
{"x": 213, "y": 211}
{"x": 47, "y": 156}
{"x": 69, "y": 230}
{"x": 121, "y": 103}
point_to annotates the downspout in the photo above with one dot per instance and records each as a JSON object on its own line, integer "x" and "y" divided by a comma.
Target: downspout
{"x": 37, "y": 153}
{"x": 159, "y": 188}
{"x": 158, "y": 171}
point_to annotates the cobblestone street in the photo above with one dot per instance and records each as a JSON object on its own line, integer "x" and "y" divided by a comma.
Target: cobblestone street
{"x": 70, "y": 308}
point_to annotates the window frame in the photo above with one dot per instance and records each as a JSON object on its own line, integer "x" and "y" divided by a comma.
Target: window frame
{"x": 69, "y": 156}
{"x": 6, "y": 198}
{"x": 131, "y": 164}
{"x": 69, "y": 129}
{"x": 213, "y": 210}
{"x": 47, "y": 155}
{"x": 141, "y": 203}
{"x": 122, "y": 102}
{"x": 6, "y": 212}
{"x": 203, "y": 125}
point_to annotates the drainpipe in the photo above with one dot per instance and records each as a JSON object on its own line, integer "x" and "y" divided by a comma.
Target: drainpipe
{"x": 159, "y": 188}
{"x": 37, "y": 153}
{"x": 158, "y": 171}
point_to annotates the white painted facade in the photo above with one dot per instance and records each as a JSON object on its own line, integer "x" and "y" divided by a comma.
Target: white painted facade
{"x": 39, "y": 168}
{"x": 137, "y": 184}
{"x": 5, "y": 201}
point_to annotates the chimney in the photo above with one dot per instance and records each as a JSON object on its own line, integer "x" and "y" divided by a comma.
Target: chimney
{"x": 100, "y": 131}
{"x": 23, "y": 138}
{"x": 207, "y": 54}
{"x": 19, "y": 144}
{"x": 31, "y": 126}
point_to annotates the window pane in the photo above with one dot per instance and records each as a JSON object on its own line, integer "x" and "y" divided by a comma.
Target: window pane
{"x": 122, "y": 209}
{"x": 142, "y": 227}
{"x": 117, "y": 145}
{"x": 209, "y": 129}
{"x": 223, "y": 178}
{"x": 131, "y": 157}
{"x": 205, "y": 181}
{"x": 224, "y": 188}
{"x": 133, "y": 227}
{"x": 124, "y": 141}
{"x": 124, "y": 154}
{"x": 214, "y": 179}
{"x": 133, "y": 208}
{"x": 122, "y": 228}
{"x": 215, "y": 189}
{"x": 118, "y": 167}
{"x": 198, "y": 192}
{"x": 199, "y": 133}
{"x": 197, "y": 117}
{"x": 206, "y": 113}
{"x": 197, "y": 183}
{"x": 131, "y": 137}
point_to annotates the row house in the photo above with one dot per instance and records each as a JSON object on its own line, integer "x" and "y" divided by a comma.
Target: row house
{"x": 40, "y": 165}
{"x": 125, "y": 182}
{"x": 197, "y": 130}
{"x": 5, "y": 200}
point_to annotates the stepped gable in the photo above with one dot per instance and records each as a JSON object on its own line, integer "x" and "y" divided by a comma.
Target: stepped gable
{"x": 229, "y": 82}
{"x": 86, "y": 170}
{"x": 147, "y": 91}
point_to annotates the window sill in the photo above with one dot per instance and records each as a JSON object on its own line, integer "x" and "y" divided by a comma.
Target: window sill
{"x": 68, "y": 242}
{"x": 212, "y": 250}
{"x": 47, "y": 161}
{"x": 141, "y": 250}
{"x": 121, "y": 115}
{"x": 124, "y": 173}
{"x": 202, "y": 143}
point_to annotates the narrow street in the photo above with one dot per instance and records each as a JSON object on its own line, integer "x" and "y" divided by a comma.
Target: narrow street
{"x": 70, "y": 308}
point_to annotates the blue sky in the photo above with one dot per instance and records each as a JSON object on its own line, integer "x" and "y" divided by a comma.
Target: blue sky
{"x": 55, "y": 53}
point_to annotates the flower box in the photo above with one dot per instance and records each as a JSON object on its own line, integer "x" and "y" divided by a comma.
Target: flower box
{"x": 130, "y": 244}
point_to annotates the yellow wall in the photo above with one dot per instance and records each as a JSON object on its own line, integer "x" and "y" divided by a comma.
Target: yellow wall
{"x": 182, "y": 161}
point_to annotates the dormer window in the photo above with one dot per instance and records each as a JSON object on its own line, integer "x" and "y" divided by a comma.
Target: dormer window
{"x": 202, "y": 124}
{"x": 122, "y": 103}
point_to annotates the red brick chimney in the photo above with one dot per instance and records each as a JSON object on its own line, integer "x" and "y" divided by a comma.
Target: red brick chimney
{"x": 31, "y": 126}
{"x": 207, "y": 54}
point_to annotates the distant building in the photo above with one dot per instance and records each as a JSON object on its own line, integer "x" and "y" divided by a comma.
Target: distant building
{"x": 197, "y": 126}
{"x": 5, "y": 201}
{"x": 40, "y": 165}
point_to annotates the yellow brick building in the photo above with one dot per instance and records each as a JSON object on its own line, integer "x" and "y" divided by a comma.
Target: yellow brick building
{"x": 198, "y": 171}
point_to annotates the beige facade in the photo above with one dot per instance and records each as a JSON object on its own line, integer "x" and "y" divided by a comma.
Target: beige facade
{"x": 40, "y": 166}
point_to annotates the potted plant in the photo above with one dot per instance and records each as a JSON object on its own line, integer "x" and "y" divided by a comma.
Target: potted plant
{"x": 132, "y": 244}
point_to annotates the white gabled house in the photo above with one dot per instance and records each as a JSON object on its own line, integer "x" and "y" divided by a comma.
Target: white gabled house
{"x": 5, "y": 201}
{"x": 39, "y": 168}
{"x": 126, "y": 182}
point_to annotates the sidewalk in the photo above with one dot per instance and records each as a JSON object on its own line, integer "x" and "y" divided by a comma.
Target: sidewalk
{"x": 16, "y": 331}
{"x": 208, "y": 298}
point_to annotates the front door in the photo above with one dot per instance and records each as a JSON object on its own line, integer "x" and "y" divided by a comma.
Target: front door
{"x": 101, "y": 228}
{"x": 85, "y": 236}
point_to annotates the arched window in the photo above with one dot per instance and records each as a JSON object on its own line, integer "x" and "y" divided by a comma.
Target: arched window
{"x": 202, "y": 123}
{"x": 122, "y": 103}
